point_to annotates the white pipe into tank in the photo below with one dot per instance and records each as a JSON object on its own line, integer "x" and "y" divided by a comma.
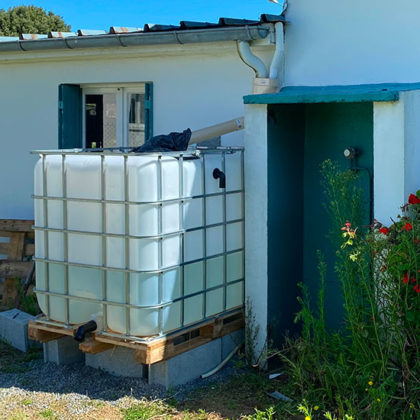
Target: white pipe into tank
{"x": 251, "y": 60}
{"x": 217, "y": 130}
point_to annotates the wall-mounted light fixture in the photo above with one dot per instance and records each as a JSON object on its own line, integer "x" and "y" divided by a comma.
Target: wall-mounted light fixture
{"x": 350, "y": 152}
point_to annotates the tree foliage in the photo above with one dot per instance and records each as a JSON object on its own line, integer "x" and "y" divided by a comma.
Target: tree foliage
{"x": 31, "y": 20}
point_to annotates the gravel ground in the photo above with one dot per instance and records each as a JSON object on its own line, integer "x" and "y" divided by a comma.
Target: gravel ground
{"x": 76, "y": 391}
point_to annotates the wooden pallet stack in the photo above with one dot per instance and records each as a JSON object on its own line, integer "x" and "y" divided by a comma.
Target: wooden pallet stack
{"x": 17, "y": 244}
{"x": 146, "y": 350}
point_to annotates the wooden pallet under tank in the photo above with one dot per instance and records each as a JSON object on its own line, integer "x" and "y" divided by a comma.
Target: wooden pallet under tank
{"x": 146, "y": 350}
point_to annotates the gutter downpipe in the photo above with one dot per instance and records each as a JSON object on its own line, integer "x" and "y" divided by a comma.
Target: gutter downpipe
{"x": 266, "y": 81}
{"x": 251, "y": 60}
{"x": 277, "y": 62}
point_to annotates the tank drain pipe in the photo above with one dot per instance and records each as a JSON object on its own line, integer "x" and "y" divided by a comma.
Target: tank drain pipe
{"x": 219, "y": 366}
{"x": 81, "y": 332}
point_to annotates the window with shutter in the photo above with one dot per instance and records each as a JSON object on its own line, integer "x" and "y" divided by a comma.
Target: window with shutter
{"x": 94, "y": 116}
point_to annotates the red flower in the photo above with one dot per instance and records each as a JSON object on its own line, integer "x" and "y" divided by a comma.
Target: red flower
{"x": 417, "y": 288}
{"x": 413, "y": 199}
{"x": 408, "y": 226}
{"x": 384, "y": 230}
{"x": 405, "y": 278}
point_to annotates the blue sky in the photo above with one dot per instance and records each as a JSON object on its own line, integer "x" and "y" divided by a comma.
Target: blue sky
{"x": 101, "y": 14}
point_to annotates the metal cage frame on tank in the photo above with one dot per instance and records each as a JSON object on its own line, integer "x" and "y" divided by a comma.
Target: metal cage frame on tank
{"x": 193, "y": 153}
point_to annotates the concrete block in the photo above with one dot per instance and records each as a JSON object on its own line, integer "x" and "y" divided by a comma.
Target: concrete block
{"x": 118, "y": 361}
{"x": 14, "y": 328}
{"x": 187, "y": 366}
{"x": 63, "y": 351}
{"x": 229, "y": 342}
{"x": 169, "y": 373}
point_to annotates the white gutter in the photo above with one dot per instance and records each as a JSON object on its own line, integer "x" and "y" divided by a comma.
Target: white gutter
{"x": 241, "y": 33}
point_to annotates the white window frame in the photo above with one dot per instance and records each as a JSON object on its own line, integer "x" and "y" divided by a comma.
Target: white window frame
{"x": 121, "y": 92}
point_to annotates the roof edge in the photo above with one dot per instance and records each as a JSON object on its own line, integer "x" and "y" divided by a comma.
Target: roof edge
{"x": 239, "y": 33}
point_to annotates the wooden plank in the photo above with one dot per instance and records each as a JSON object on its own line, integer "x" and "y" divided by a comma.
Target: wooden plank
{"x": 9, "y": 292}
{"x": 92, "y": 346}
{"x": 36, "y": 325}
{"x": 42, "y": 336}
{"x": 119, "y": 342}
{"x": 149, "y": 356}
{"x": 15, "y": 253}
{"x": 13, "y": 269}
{"x": 28, "y": 250}
{"x": 16, "y": 225}
{"x": 7, "y": 234}
{"x": 232, "y": 326}
{"x": 16, "y": 243}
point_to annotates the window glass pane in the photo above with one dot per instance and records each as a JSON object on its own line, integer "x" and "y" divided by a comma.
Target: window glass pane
{"x": 101, "y": 120}
{"x": 110, "y": 120}
{"x": 135, "y": 119}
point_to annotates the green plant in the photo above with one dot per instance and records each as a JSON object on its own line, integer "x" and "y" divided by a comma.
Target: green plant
{"x": 27, "y": 401}
{"x": 146, "y": 410}
{"x": 370, "y": 368}
{"x": 27, "y": 301}
{"x": 251, "y": 333}
{"x": 267, "y": 414}
{"x": 47, "y": 414}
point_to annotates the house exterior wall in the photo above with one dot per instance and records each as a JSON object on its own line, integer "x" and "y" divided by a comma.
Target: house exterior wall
{"x": 350, "y": 42}
{"x": 388, "y": 158}
{"x": 256, "y": 226}
{"x": 194, "y": 86}
{"x": 331, "y": 42}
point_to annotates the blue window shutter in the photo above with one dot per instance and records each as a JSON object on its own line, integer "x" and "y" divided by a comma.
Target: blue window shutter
{"x": 69, "y": 117}
{"x": 148, "y": 106}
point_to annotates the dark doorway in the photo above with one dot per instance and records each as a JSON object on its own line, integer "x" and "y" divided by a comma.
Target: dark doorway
{"x": 300, "y": 138}
{"x": 94, "y": 121}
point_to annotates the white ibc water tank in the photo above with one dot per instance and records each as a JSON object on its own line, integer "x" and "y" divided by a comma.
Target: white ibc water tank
{"x": 150, "y": 242}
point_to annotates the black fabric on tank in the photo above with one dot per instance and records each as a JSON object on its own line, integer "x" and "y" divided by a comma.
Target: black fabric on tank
{"x": 172, "y": 142}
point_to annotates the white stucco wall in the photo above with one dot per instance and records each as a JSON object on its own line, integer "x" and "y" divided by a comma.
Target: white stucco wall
{"x": 412, "y": 142}
{"x": 256, "y": 208}
{"x": 396, "y": 148}
{"x": 194, "y": 86}
{"x": 336, "y": 42}
{"x": 388, "y": 160}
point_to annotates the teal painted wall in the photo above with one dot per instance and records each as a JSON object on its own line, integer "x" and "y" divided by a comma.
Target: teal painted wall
{"x": 329, "y": 129}
{"x": 286, "y": 132}
{"x": 300, "y": 138}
